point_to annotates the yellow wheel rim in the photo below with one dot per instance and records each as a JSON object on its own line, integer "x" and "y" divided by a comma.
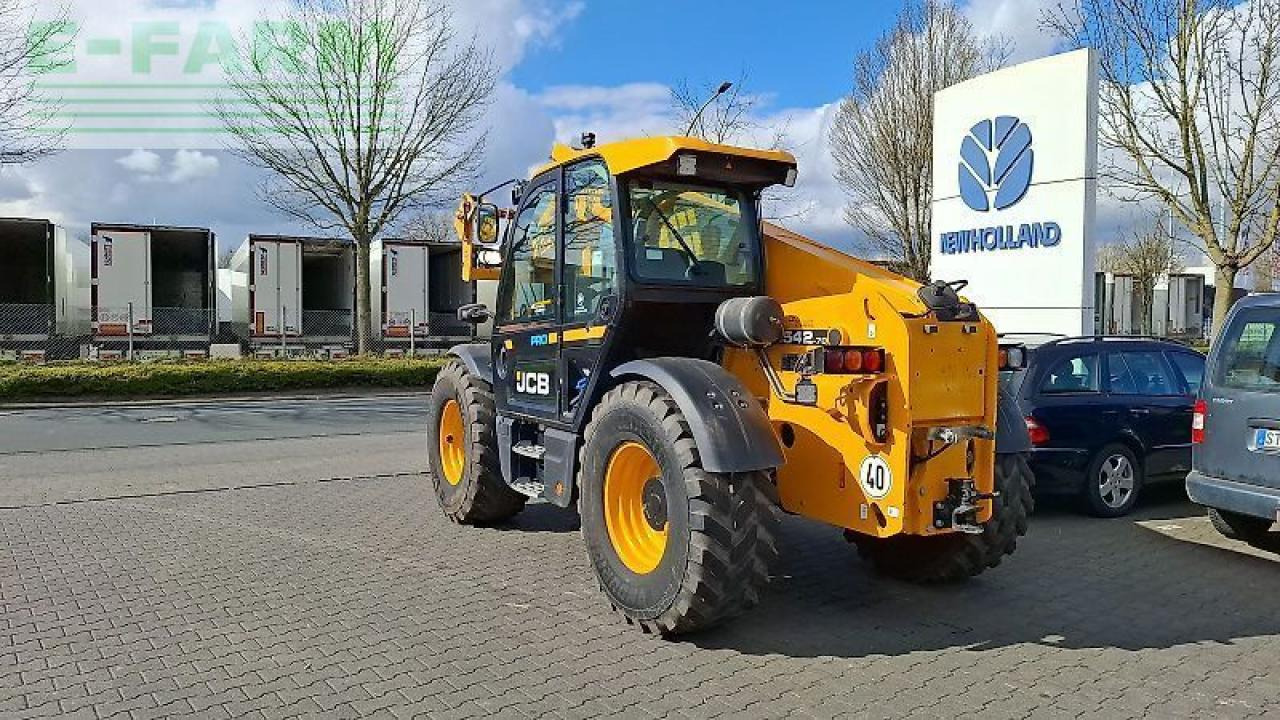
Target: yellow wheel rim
{"x": 635, "y": 511}
{"x": 453, "y": 456}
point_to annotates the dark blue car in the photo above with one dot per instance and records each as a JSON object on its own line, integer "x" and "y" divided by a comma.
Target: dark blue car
{"x": 1107, "y": 415}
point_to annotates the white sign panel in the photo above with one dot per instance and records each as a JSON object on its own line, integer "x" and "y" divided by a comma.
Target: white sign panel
{"x": 1015, "y": 178}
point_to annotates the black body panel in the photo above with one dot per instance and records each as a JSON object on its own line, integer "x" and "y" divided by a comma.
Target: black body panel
{"x": 732, "y": 431}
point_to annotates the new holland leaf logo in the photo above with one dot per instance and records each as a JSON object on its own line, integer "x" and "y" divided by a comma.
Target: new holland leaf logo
{"x": 996, "y": 160}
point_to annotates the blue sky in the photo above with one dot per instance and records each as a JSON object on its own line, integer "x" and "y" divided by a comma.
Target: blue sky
{"x": 798, "y": 54}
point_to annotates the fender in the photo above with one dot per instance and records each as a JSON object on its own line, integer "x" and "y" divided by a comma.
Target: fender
{"x": 1011, "y": 430}
{"x": 732, "y": 431}
{"x": 475, "y": 356}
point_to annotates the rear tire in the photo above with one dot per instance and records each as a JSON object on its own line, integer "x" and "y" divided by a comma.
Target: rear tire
{"x": 675, "y": 548}
{"x": 956, "y": 557}
{"x": 1234, "y": 526}
{"x": 462, "y": 445}
{"x": 1112, "y": 483}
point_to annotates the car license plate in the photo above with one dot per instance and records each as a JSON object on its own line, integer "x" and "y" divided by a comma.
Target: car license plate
{"x": 1266, "y": 441}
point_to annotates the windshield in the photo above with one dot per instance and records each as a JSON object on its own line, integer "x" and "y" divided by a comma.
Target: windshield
{"x": 691, "y": 235}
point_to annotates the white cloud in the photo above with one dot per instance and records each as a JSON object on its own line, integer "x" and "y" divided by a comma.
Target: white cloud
{"x": 143, "y": 162}
{"x": 191, "y": 165}
{"x": 512, "y": 27}
{"x": 1015, "y": 21}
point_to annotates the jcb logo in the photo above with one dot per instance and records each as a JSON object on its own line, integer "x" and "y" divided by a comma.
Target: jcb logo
{"x": 533, "y": 383}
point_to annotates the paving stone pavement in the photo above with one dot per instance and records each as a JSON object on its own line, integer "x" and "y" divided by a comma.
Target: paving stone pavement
{"x": 356, "y": 598}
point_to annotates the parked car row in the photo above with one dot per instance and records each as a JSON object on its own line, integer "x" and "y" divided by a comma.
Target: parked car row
{"x": 1109, "y": 416}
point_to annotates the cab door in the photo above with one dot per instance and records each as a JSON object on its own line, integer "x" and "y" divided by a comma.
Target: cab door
{"x": 527, "y": 375}
{"x": 589, "y": 288}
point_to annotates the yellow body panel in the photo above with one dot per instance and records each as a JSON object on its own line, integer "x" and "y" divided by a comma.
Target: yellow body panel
{"x": 936, "y": 375}
{"x": 462, "y": 225}
{"x": 628, "y": 155}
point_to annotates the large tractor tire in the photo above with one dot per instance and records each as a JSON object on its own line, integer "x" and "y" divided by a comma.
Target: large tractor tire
{"x": 463, "y": 447}
{"x": 676, "y": 548}
{"x": 955, "y": 557}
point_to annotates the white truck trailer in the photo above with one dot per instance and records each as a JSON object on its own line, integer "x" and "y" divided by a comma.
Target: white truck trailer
{"x": 153, "y": 291}
{"x": 44, "y": 291}
{"x": 294, "y": 295}
{"x": 416, "y": 290}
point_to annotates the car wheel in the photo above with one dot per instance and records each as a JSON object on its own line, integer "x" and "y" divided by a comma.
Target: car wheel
{"x": 1239, "y": 527}
{"x": 1112, "y": 483}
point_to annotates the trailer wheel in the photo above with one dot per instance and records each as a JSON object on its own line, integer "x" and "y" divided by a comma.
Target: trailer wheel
{"x": 462, "y": 445}
{"x": 675, "y": 548}
{"x": 951, "y": 558}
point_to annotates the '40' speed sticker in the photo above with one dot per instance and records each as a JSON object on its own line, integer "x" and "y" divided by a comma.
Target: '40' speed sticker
{"x": 876, "y": 478}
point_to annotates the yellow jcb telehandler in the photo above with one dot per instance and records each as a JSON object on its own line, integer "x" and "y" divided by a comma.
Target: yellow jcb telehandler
{"x": 681, "y": 371}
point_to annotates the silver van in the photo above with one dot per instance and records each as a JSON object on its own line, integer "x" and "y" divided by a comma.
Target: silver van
{"x": 1236, "y": 426}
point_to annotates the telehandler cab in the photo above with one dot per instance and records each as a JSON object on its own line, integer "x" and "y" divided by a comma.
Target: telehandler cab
{"x": 681, "y": 370}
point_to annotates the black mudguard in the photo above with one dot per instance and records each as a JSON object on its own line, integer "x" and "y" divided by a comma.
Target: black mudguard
{"x": 1011, "y": 429}
{"x": 732, "y": 431}
{"x": 476, "y": 358}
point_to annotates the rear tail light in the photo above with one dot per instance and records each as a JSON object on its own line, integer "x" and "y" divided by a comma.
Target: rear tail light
{"x": 1039, "y": 433}
{"x": 1197, "y": 422}
{"x": 851, "y": 361}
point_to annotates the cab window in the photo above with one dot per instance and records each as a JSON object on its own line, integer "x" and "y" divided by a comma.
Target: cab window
{"x": 590, "y": 265}
{"x": 691, "y": 235}
{"x": 1075, "y": 374}
{"x": 531, "y": 260}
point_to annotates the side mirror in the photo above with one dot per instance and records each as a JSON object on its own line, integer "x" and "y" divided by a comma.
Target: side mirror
{"x": 474, "y": 314}
{"x": 486, "y": 220}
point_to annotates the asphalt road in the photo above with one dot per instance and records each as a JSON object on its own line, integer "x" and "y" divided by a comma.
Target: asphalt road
{"x": 295, "y": 569}
{"x": 68, "y": 454}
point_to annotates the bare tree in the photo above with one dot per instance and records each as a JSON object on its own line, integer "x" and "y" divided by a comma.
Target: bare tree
{"x": 882, "y": 136}
{"x": 430, "y": 227}
{"x": 361, "y": 110}
{"x": 1148, "y": 256}
{"x": 1189, "y": 99}
{"x": 27, "y": 49}
{"x": 730, "y": 117}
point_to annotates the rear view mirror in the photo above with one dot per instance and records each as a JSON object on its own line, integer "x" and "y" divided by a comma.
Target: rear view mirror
{"x": 474, "y": 314}
{"x": 486, "y": 220}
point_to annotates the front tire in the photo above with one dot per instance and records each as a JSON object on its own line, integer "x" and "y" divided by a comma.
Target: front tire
{"x": 1112, "y": 482}
{"x": 675, "y": 548}
{"x": 462, "y": 446}
{"x": 956, "y": 557}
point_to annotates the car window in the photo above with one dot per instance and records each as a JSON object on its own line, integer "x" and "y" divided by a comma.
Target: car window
{"x": 1191, "y": 367}
{"x": 1140, "y": 373}
{"x": 1075, "y": 374}
{"x": 1250, "y": 354}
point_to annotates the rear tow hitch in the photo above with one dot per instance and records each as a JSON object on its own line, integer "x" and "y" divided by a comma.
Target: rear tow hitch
{"x": 959, "y": 511}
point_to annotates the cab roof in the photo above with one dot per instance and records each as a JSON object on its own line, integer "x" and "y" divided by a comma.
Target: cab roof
{"x": 627, "y": 155}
